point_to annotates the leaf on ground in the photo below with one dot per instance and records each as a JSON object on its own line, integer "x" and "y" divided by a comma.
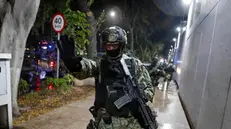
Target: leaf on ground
{"x": 41, "y": 103}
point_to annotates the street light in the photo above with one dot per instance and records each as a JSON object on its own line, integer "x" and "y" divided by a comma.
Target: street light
{"x": 178, "y": 29}
{"x": 174, "y": 39}
{"x": 112, "y": 14}
{"x": 187, "y": 2}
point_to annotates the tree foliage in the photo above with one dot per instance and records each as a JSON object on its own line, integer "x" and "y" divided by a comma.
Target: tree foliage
{"x": 77, "y": 27}
{"x": 90, "y": 2}
{"x": 130, "y": 13}
{"x": 149, "y": 24}
{"x": 146, "y": 53}
{"x": 101, "y": 19}
{"x": 46, "y": 9}
{"x": 145, "y": 22}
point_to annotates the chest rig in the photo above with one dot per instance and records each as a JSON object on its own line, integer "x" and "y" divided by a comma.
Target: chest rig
{"x": 111, "y": 86}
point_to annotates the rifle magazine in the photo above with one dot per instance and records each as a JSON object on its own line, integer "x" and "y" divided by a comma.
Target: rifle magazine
{"x": 119, "y": 103}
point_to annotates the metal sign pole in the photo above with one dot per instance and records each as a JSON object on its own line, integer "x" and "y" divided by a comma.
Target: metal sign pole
{"x": 58, "y": 58}
{"x": 58, "y": 24}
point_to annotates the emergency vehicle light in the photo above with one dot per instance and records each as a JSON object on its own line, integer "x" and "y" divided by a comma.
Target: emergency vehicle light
{"x": 52, "y": 64}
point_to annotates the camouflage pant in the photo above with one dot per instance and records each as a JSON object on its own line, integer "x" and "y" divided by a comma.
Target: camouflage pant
{"x": 120, "y": 123}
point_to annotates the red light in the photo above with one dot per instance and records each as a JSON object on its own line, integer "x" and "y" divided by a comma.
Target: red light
{"x": 44, "y": 42}
{"x": 52, "y": 64}
{"x": 38, "y": 84}
{"x": 38, "y": 79}
{"x": 37, "y": 89}
{"x": 50, "y": 87}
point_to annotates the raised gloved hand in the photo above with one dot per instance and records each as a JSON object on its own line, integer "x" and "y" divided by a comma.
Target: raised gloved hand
{"x": 73, "y": 64}
{"x": 67, "y": 54}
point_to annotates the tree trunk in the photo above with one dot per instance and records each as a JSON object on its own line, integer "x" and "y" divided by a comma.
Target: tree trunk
{"x": 142, "y": 53}
{"x": 132, "y": 39}
{"x": 136, "y": 39}
{"x": 92, "y": 48}
{"x": 132, "y": 32}
{"x": 43, "y": 29}
{"x": 17, "y": 23}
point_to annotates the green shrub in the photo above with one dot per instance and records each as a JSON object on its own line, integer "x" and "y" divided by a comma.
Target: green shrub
{"x": 23, "y": 87}
{"x": 61, "y": 84}
{"x": 69, "y": 78}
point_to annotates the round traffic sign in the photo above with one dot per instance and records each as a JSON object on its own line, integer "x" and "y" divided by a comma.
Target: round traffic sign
{"x": 58, "y": 22}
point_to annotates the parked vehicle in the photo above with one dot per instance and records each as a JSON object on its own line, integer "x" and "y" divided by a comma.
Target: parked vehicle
{"x": 40, "y": 63}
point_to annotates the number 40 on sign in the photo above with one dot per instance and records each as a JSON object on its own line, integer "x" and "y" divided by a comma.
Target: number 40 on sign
{"x": 58, "y": 22}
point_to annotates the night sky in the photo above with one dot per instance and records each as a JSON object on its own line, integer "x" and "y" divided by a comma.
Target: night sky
{"x": 165, "y": 36}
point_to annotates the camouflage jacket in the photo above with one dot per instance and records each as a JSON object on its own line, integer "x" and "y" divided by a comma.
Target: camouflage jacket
{"x": 92, "y": 69}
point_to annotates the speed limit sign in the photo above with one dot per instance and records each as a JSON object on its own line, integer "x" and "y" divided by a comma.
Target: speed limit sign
{"x": 58, "y": 22}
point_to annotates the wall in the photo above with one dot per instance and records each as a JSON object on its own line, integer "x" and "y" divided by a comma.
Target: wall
{"x": 204, "y": 81}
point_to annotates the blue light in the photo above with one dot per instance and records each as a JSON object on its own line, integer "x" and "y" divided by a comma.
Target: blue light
{"x": 50, "y": 46}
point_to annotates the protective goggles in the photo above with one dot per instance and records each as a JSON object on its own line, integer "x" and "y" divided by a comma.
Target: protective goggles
{"x": 111, "y": 46}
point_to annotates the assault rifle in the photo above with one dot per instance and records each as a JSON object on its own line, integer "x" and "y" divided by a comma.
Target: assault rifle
{"x": 134, "y": 94}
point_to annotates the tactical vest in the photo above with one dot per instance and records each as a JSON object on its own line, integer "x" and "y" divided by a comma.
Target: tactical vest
{"x": 112, "y": 81}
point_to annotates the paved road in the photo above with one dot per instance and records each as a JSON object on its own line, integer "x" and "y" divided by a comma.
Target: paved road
{"x": 76, "y": 115}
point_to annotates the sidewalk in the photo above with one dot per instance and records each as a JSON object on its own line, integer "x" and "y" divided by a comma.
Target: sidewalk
{"x": 77, "y": 116}
{"x": 169, "y": 109}
{"x": 72, "y": 116}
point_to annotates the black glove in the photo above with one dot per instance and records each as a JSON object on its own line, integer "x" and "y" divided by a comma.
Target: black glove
{"x": 67, "y": 54}
{"x": 73, "y": 63}
{"x": 66, "y": 47}
{"x": 92, "y": 125}
{"x": 93, "y": 111}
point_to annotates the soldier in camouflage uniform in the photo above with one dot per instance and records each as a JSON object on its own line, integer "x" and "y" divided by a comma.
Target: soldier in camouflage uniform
{"x": 156, "y": 70}
{"x": 170, "y": 69}
{"x": 110, "y": 79}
